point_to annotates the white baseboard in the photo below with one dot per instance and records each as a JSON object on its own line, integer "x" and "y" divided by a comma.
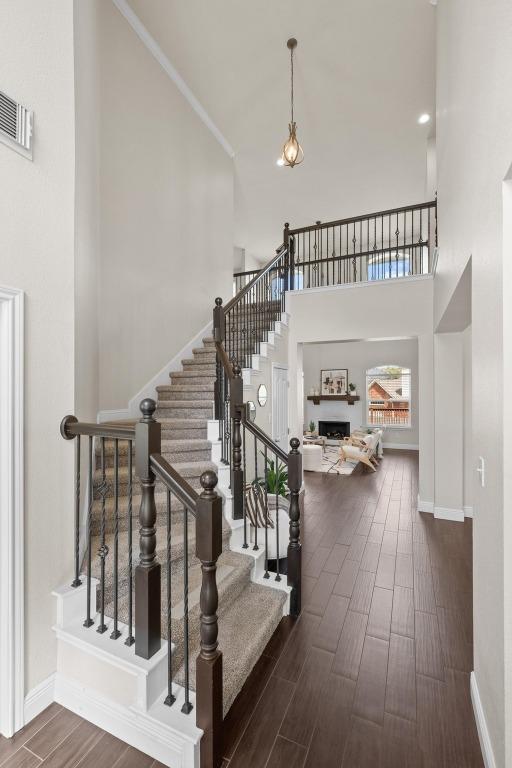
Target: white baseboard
{"x": 425, "y": 506}
{"x": 145, "y": 731}
{"x": 39, "y": 698}
{"x": 401, "y": 446}
{"x": 115, "y": 415}
{"x": 468, "y": 511}
{"x": 447, "y": 513}
{"x": 481, "y": 724}
{"x": 162, "y": 377}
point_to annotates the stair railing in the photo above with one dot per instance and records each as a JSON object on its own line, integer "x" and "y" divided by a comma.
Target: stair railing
{"x": 399, "y": 242}
{"x": 239, "y": 328}
{"x": 145, "y": 579}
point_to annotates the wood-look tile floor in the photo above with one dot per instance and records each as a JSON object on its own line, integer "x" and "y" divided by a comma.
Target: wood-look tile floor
{"x": 375, "y": 672}
{"x": 57, "y": 738}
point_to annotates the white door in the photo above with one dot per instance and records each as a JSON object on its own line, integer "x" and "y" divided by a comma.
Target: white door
{"x": 280, "y": 405}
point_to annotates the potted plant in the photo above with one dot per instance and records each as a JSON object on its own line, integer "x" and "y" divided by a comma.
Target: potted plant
{"x": 277, "y": 483}
{"x": 352, "y": 388}
{"x": 312, "y": 427}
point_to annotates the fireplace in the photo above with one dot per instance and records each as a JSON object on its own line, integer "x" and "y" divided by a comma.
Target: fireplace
{"x": 334, "y": 430}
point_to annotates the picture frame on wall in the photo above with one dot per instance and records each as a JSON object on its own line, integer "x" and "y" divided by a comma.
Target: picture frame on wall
{"x": 334, "y": 381}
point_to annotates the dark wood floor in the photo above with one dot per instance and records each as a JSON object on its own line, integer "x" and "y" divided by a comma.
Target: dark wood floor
{"x": 58, "y": 738}
{"x": 375, "y": 672}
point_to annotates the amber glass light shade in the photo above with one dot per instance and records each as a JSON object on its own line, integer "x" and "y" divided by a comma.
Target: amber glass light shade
{"x": 292, "y": 150}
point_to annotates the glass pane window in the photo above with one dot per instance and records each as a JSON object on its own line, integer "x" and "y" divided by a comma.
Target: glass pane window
{"x": 388, "y": 396}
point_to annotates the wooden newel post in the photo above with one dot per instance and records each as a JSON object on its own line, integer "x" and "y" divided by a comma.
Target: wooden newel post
{"x": 237, "y": 475}
{"x": 209, "y": 662}
{"x": 294, "y": 545}
{"x": 147, "y": 573}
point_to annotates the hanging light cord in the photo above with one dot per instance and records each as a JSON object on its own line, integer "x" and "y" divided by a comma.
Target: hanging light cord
{"x": 291, "y": 61}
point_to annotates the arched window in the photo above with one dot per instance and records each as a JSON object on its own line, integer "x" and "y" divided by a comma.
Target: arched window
{"x": 388, "y": 396}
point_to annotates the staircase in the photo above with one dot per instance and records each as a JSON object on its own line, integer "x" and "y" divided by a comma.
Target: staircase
{"x": 248, "y": 612}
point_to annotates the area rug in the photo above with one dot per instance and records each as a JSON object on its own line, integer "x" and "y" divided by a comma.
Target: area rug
{"x": 332, "y": 463}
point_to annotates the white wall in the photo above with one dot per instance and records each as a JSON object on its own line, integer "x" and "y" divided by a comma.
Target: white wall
{"x": 87, "y": 209}
{"x": 394, "y": 309}
{"x": 166, "y": 192}
{"x": 474, "y": 154}
{"x": 469, "y": 466}
{"x": 37, "y": 255}
{"x": 358, "y": 357}
{"x": 449, "y": 423}
{"x": 278, "y": 353}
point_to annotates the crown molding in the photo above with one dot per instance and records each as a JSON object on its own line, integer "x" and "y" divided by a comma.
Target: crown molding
{"x": 149, "y": 41}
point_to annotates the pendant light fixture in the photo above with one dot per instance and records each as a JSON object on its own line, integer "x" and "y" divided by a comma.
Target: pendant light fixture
{"x": 292, "y": 151}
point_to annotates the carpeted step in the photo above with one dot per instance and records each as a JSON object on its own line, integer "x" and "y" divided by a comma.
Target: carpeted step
{"x": 245, "y": 628}
{"x": 196, "y": 364}
{"x": 187, "y": 449}
{"x": 177, "y": 552}
{"x": 184, "y": 409}
{"x": 185, "y": 392}
{"x": 204, "y": 353}
{"x": 190, "y": 470}
{"x": 192, "y": 377}
{"x": 233, "y": 575}
{"x": 183, "y": 429}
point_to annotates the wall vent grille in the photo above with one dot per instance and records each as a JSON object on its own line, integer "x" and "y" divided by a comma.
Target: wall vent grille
{"x": 15, "y": 122}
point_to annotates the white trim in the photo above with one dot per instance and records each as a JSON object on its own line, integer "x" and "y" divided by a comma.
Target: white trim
{"x": 481, "y": 724}
{"x": 39, "y": 698}
{"x": 401, "y": 446}
{"x": 162, "y": 377}
{"x": 425, "y": 506}
{"x": 468, "y": 511}
{"x": 145, "y": 731}
{"x": 14, "y": 145}
{"x": 447, "y": 513}
{"x": 362, "y": 284}
{"x": 12, "y": 659}
{"x": 153, "y": 47}
{"x": 114, "y": 415}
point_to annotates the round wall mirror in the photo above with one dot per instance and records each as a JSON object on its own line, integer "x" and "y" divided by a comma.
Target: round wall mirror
{"x": 252, "y": 410}
{"x": 262, "y": 395}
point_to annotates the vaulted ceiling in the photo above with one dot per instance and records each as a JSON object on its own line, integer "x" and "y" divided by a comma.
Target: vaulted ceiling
{"x": 364, "y": 71}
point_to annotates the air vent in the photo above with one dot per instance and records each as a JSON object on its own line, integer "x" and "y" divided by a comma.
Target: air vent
{"x": 15, "y": 125}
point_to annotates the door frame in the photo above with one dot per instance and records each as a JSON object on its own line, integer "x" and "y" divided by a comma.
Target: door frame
{"x": 12, "y": 657}
{"x": 283, "y": 367}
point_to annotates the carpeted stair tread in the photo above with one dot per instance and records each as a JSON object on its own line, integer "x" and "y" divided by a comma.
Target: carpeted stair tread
{"x": 244, "y": 631}
{"x": 233, "y": 572}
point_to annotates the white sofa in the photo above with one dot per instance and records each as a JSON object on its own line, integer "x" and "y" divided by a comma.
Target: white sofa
{"x": 312, "y": 458}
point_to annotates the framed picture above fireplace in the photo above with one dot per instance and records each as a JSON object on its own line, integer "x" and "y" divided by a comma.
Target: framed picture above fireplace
{"x": 334, "y": 382}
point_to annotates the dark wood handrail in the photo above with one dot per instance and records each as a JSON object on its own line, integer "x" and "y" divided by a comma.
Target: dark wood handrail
{"x": 224, "y": 359}
{"x": 264, "y": 438}
{"x": 263, "y": 271}
{"x": 70, "y": 427}
{"x": 364, "y": 217}
{"x": 173, "y": 481}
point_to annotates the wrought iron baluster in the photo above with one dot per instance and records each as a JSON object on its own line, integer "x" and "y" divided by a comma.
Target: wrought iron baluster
{"x": 256, "y": 488}
{"x": 88, "y": 621}
{"x": 103, "y": 550}
{"x": 130, "y": 639}
{"x": 170, "y": 698}
{"x": 115, "y": 632}
{"x": 76, "y": 581}
{"x": 266, "y": 575}
{"x": 278, "y": 575}
{"x": 187, "y": 706}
